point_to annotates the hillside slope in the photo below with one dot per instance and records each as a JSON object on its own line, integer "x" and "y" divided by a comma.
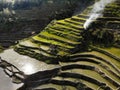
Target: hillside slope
{"x": 21, "y": 19}
{"x": 89, "y": 59}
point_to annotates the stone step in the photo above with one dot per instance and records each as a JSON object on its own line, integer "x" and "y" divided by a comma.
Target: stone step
{"x": 70, "y": 28}
{"x": 78, "y": 19}
{"x": 109, "y": 19}
{"x": 66, "y": 30}
{"x": 73, "y": 22}
{"x": 77, "y": 27}
{"x": 58, "y": 38}
{"x": 39, "y": 39}
{"x": 65, "y": 35}
{"x": 83, "y": 16}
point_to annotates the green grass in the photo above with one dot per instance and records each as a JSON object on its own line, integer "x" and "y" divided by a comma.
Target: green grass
{"x": 67, "y": 27}
{"x": 76, "y": 17}
{"x": 93, "y": 86}
{"x": 113, "y": 50}
{"x": 39, "y": 39}
{"x": 94, "y": 75}
{"x": 1, "y": 49}
{"x": 58, "y": 87}
{"x": 65, "y": 33}
{"x": 49, "y": 35}
{"x": 28, "y": 43}
{"x": 75, "y": 22}
{"x": 70, "y": 24}
{"x": 106, "y": 58}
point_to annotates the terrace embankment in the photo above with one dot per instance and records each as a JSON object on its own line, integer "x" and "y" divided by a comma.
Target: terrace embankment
{"x": 88, "y": 59}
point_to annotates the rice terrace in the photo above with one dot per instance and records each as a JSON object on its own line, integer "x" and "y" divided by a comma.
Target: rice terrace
{"x": 71, "y": 51}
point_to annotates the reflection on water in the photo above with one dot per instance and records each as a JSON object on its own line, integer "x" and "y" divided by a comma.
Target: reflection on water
{"x": 6, "y": 82}
{"x": 28, "y": 68}
{"x": 24, "y": 63}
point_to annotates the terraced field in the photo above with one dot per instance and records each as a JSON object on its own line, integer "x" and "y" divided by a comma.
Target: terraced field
{"x": 85, "y": 63}
{"x": 58, "y": 39}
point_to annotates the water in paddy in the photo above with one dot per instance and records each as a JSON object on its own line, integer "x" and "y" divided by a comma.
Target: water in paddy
{"x": 6, "y": 82}
{"x": 24, "y": 63}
